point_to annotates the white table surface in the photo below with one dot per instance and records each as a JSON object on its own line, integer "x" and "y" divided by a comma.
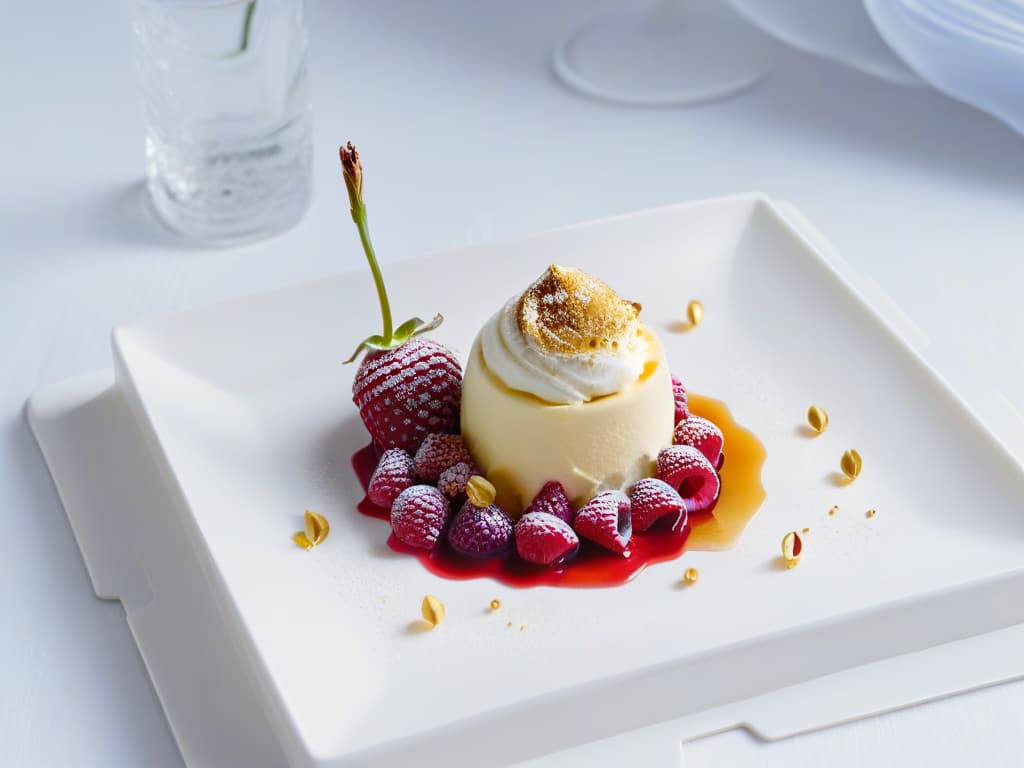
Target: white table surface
{"x": 922, "y": 194}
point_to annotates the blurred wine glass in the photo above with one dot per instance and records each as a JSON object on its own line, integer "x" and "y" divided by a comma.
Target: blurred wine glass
{"x": 669, "y": 53}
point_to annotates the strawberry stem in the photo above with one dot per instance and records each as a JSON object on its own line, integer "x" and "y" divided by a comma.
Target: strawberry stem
{"x": 353, "y": 170}
{"x": 391, "y": 337}
{"x": 378, "y": 278}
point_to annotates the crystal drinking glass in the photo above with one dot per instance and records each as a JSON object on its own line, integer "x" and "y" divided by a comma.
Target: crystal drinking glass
{"x": 228, "y": 115}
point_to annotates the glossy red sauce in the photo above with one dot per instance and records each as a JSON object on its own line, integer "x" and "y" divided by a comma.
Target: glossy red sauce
{"x": 717, "y": 528}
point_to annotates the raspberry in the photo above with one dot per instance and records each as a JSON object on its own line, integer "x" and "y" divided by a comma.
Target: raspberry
{"x": 544, "y": 539}
{"x": 452, "y": 481}
{"x": 392, "y": 476}
{"x": 480, "y": 532}
{"x": 605, "y": 520}
{"x": 687, "y": 469}
{"x": 418, "y": 516}
{"x": 551, "y": 499}
{"x": 703, "y": 435}
{"x": 682, "y": 405}
{"x": 653, "y": 499}
{"x": 438, "y": 453}
{"x": 407, "y": 393}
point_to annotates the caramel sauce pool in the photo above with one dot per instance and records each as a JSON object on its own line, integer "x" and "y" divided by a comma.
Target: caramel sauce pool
{"x": 741, "y": 496}
{"x": 742, "y": 492}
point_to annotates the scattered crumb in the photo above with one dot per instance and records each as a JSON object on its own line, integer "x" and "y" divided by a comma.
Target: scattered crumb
{"x": 691, "y": 575}
{"x": 694, "y": 312}
{"x": 817, "y": 418}
{"x": 433, "y": 610}
{"x": 806, "y": 530}
{"x": 495, "y": 604}
{"x": 870, "y": 513}
{"x": 834, "y": 509}
{"x": 522, "y": 627}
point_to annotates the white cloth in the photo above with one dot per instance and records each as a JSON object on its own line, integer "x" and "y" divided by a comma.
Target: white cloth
{"x": 972, "y": 50}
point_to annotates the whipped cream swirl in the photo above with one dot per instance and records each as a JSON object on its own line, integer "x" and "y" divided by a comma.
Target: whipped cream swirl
{"x": 567, "y": 339}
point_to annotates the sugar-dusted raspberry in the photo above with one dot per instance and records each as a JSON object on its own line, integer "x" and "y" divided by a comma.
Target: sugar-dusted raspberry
{"x": 392, "y": 476}
{"x": 406, "y": 393}
{"x": 418, "y": 516}
{"x": 437, "y": 453}
{"x": 544, "y": 539}
{"x": 687, "y": 469}
{"x": 452, "y": 481}
{"x": 606, "y": 520}
{"x": 703, "y": 435}
{"x": 480, "y": 531}
{"x": 551, "y": 499}
{"x": 651, "y": 500}
{"x": 682, "y": 404}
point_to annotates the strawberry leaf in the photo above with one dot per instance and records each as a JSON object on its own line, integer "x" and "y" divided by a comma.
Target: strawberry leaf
{"x": 371, "y": 342}
{"x": 405, "y": 331}
{"x": 424, "y": 327}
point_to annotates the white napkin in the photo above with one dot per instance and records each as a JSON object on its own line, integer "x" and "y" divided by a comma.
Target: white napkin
{"x": 972, "y": 50}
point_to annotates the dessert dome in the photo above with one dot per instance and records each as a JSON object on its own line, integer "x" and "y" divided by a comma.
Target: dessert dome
{"x": 566, "y": 383}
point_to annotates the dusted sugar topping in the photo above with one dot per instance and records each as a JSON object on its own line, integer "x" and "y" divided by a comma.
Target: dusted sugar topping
{"x": 570, "y": 312}
{"x": 566, "y": 339}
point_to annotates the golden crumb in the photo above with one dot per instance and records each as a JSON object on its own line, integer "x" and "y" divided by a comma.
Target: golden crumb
{"x": 792, "y": 548}
{"x": 480, "y": 491}
{"x": 495, "y": 604}
{"x": 870, "y": 513}
{"x": 568, "y": 311}
{"x": 522, "y": 627}
{"x": 433, "y": 610}
{"x": 833, "y": 509}
{"x": 817, "y": 417}
{"x": 317, "y": 527}
{"x": 694, "y": 312}
{"x": 806, "y": 530}
{"x": 691, "y": 575}
{"x": 851, "y": 464}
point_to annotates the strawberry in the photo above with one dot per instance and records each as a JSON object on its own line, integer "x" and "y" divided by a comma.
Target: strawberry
{"x": 682, "y": 404}
{"x": 406, "y": 388}
{"x": 392, "y": 476}
{"x": 452, "y": 482}
{"x": 437, "y": 453}
{"x": 418, "y": 516}
{"x": 409, "y": 392}
{"x": 544, "y": 539}
{"x": 480, "y": 532}
{"x": 703, "y": 435}
{"x": 651, "y": 500}
{"x": 687, "y": 470}
{"x": 606, "y": 521}
{"x": 551, "y": 499}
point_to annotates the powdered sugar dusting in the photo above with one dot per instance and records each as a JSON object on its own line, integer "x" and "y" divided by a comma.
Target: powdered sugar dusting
{"x": 406, "y": 393}
{"x": 437, "y": 453}
{"x": 651, "y": 500}
{"x": 682, "y": 463}
{"x": 701, "y": 434}
{"x": 418, "y": 516}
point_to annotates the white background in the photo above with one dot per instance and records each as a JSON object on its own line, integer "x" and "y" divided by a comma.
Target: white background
{"x": 465, "y": 137}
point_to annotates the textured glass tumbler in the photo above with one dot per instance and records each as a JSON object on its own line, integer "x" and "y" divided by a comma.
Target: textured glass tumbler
{"x": 228, "y": 115}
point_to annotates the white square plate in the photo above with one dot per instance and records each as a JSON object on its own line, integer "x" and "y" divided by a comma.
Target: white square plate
{"x": 247, "y": 410}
